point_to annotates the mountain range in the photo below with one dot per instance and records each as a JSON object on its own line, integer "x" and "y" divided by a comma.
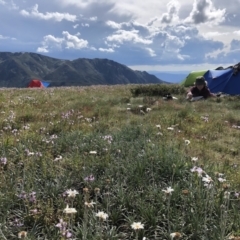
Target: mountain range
{"x": 18, "y": 69}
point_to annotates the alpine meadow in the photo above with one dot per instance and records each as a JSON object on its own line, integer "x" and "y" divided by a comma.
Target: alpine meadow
{"x": 118, "y": 163}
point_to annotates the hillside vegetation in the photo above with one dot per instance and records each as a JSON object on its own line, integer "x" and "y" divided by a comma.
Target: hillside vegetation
{"x": 116, "y": 162}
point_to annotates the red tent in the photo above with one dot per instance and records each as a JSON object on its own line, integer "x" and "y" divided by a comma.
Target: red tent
{"x": 35, "y": 84}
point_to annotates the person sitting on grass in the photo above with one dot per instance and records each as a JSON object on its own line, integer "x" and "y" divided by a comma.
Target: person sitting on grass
{"x": 200, "y": 89}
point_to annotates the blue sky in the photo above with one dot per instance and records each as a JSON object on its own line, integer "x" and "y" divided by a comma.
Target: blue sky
{"x": 150, "y": 35}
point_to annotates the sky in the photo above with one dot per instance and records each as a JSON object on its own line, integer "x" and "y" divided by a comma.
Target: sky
{"x": 147, "y": 35}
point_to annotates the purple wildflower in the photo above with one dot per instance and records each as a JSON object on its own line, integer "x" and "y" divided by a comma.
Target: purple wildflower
{"x": 17, "y": 223}
{"x": 89, "y": 178}
{"x": 63, "y": 229}
{"x": 197, "y": 170}
{"x": 108, "y": 138}
{"x": 64, "y": 194}
{"x": 22, "y": 195}
{"x": 3, "y": 160}
{"x": 68, "y": 234}
{"x": 32, "y": 197}
{"x": 237, "y": 194}
{"x": 39, "y": 154}
{"x": 61, "y": 225}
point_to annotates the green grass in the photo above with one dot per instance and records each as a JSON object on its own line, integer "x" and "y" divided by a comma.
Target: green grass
{"x": 53, "y": 139}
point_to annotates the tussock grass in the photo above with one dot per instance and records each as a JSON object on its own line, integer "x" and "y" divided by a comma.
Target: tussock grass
{"x": 169, "y": 165}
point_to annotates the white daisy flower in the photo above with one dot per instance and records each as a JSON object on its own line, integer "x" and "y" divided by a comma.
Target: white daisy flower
{"x": 137, "y": 225}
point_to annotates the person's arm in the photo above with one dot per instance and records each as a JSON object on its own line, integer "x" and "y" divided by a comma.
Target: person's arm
{"x": 189, "y": 94}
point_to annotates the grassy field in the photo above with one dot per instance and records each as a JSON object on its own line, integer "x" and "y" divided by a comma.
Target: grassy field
{"x": 100, "y": 163}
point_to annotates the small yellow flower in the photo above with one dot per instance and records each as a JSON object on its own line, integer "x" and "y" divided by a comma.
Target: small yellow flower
{"x": 108, "y": 181}
{"x": 233, "y": 238}
{"x": 85, "y": 190}
{"x": 137, "y": 225}
{"x": 225, "y": 186}
{"x": 185, "y": 192}
{"x": 97, "y": 190}
{"x": 22, "y": 234}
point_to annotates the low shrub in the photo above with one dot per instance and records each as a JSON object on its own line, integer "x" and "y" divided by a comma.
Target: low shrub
{"x": 157, "y": 90}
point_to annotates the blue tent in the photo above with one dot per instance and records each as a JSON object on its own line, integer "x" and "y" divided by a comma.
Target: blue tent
{"x": 45, "y": 84}
{"x": 35, "y": 83}
{"x": 224, "y": 81}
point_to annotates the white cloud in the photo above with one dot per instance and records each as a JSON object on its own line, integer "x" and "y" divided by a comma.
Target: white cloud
{"x": 56, "y": 16}
{"x": 10, "y": 4}
{"x": 50, "y": 41}
{"x": 110, "y": 50}
{"x": 75, "y": 26}
{"x": 42, "y": 50}
{"x": 13, "y": 6}
{"x": 173, "y": 42}
{"x": 122, "y": 36}
{"x": 172, "y": 12}
{"x": 79, "y": 3}
{"x": 151, "y": 52}
{"x": 235, "y": 45}
{"x": 72, "y": 41}
{"x": 6, "y": 37}
{"x": 85, "y": 25}
{"x": 168, "y": 42}
{"x": 210, "y": 35}
{"x": 66, "y": 42}
{"x": 204, "y": 12}
{"x": 111, "y": 45}
{"x": 3, "y": 37}
{"x": 93, "y": 18}
{"x": 237, "y": 32}
{"x": 114, "y": 25}
{"x": 141, "y": 11}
